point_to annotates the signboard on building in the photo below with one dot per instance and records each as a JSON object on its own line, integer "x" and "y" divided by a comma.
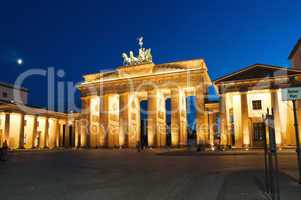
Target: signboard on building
{"x": 289, "y": 94}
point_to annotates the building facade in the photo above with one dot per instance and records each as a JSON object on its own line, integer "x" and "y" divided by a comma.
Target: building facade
{"x": 111, "y": 104}
{"x": 111, "y": 107}
{"x": 246, "y": 95}
{"x": 7, "y": 92}
{"x": 24, "y": 127}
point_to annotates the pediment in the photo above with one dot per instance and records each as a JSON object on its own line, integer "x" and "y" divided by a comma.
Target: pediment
{"x": 258, "y": 71}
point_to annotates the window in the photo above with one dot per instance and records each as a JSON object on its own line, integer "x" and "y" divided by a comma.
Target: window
{"x": 4, "y": 94}
{"x": 256, "y": 105}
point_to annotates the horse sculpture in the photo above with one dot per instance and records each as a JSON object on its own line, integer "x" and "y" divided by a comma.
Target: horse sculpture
{"x": 134, "y": 60}
{"x": 145, "y": 56}
{"x": 126, "y": 59}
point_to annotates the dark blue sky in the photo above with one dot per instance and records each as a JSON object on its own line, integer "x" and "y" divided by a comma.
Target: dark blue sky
{"x": 87, "y": 36}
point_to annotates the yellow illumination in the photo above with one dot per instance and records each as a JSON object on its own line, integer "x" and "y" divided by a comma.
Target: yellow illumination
{"x": 14, "y": 130}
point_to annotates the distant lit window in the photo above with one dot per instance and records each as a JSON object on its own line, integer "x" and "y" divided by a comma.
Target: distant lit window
{"x": 4, "y": 94}
{"x": 256, "y": 105}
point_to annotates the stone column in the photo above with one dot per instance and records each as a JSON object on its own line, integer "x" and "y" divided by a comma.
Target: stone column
{"x": 21, "y": 131}
{"x": 86, "y": 120}
{"x": 134, "y": 120}
{"x": 245, "y": 120}
{"x": 34, "y": 131}
{"x": 72, "y": 133}
{"x": 51, "y": 133}
{"x": 46, "y": 145}
{"x": 83, "y": 133}
{"x": 41, "y": 132}
{"x": 156, "y": 119}
{"x": 151, "y": 114}
{"x": 57, "y": 133}
{"x": 104, "y": 118}
{"x": 6, "y": 127}
{"x": 281, "y": 138}
{"x": 129, "y": 119}
{"x": 61, "y": 134}
{"x": 77, "y": 133}
{"x": 67, "y": 134}
{"x": 223, "y": 120}
{"x": 178, "y": 117}
{"x": 123, "y": 119}
{"x": 212, "y": 121}
{"x": 111, "y": 105}
{"x": 175, "y": 117}
{"x": 161, "y": 120}
{"x": 201, "y": 124}
{"x": 94, "y": 121}
{"x": 28, "y": 131}
{"x": 235, "y": 122}
{"x": 207, "y": 127}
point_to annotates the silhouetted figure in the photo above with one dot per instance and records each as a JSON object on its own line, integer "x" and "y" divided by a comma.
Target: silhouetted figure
{"x": 4, "y": 151}
{"x": 138, "y": 146}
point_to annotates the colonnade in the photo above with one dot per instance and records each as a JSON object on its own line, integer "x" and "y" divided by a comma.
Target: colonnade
{"x": 240, "y": 111}
{"x": 26, "y": 131}
{"x": 114, "y": 118}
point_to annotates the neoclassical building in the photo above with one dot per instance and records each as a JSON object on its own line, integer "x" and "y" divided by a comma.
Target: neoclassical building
{"x": 25, "y": 127}
{"x": 111, "y": 107}
{"x": 245, "y": 96}
{"x": 111, "y": 104}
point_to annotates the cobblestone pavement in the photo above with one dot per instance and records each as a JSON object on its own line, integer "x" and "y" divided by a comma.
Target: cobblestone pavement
{"x": 127, "y": 174}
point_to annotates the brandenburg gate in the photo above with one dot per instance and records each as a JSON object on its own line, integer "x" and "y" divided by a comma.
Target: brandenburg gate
{"x": 111, "y": 102}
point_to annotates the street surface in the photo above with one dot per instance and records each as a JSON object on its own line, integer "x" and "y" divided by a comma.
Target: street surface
{"x": 127, "y": 174}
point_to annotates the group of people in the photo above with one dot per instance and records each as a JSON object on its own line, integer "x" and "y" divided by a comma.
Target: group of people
{"x": 4, "y": 151}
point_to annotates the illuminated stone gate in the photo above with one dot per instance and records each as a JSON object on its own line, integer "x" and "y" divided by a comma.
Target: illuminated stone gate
{"x": 111, "y": 103}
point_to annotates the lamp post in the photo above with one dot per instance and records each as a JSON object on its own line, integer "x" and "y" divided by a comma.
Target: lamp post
{"x": 297, "y": 139}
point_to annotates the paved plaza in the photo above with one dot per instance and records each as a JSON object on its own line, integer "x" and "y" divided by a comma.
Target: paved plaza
{"x": 127, "y": 174}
